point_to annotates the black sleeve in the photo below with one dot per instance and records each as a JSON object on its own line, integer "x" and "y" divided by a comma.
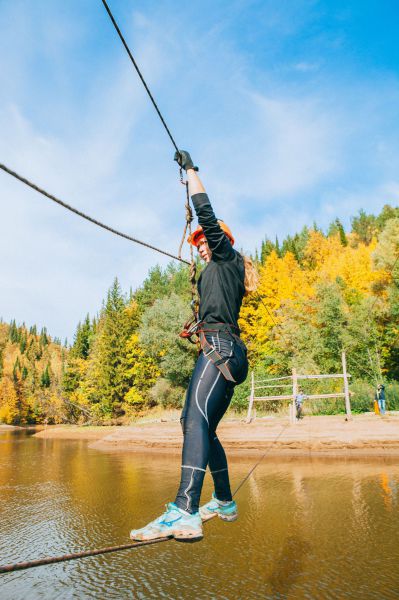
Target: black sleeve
{"x": 217, "y": 240}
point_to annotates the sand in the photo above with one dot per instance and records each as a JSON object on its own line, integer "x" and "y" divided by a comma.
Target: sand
{"x": 365, "y": 434}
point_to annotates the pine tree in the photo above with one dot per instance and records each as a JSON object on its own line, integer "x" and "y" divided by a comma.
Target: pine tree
{"x": 16, "y": 371}
{"x": 83, "y": 338}
{"x": 23, "y": 342}
{"x": 106, "y": 383}
{"x": 13, "y": 332}
{"x": 45, "y": 380}
{"x": 364, "y": 226}
{"x": 44, "y": 340}
{"x": 267, "y": 248}
{"x": 336, "y": 228}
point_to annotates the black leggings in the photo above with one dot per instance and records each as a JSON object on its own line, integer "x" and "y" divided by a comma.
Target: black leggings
{"x": 208, "y": 397}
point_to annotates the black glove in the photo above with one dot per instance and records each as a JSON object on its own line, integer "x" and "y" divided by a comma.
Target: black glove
{"x": 184, "y": 161}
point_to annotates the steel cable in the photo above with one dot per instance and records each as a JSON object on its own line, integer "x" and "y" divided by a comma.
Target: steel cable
{"x": 111, "y": 16}
{"x": 50, "y": 560}
{"x": 87, "y": 217}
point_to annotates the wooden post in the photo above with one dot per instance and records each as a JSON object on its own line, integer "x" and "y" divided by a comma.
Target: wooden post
{"x": 294, "y": 393}
{"x": 251, "y": 398}
{"x": 346, "y": 388}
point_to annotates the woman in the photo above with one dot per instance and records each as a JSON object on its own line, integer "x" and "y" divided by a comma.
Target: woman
{"x": 221, "y": 365}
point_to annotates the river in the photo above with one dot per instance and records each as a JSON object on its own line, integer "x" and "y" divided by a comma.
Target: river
{"x": 309, "y": 528}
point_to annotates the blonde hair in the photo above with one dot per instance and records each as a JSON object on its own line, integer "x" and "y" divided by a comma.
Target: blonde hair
{"x": 251, "y": 275}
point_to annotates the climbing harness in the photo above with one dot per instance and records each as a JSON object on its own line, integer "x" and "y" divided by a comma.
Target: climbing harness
{"x": 190, "y": 328}
{"x": 194, "y": 327}
{"x": 217, "y": 359}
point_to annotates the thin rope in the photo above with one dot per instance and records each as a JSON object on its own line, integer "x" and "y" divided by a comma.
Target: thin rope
{"x": 189, "y": 217}
{"x": 87, "y": 217}
{"x": 193, "y": 266}
{"x": 50, "y": 560}
{"x": 257, "y": 463}
{"x": 111, "y": 16}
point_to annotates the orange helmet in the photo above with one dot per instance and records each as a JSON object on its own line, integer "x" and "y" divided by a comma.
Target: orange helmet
{"x": 198, "y": 233}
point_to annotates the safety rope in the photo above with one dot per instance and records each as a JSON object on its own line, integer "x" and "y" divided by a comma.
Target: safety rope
{"x": 87, "y": 217}
{"x": 193, "y": 266}
{"x": 50, "y": 560}
{"x": 139, "y": 73}
{"x": 189, "y": 214}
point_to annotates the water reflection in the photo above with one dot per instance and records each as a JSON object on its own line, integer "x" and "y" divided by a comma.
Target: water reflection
{"x": 288, "y": 566}
{"x": 312, "y": 528}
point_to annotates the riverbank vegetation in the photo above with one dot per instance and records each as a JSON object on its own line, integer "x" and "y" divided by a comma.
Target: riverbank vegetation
{"x": 319, "y": 292}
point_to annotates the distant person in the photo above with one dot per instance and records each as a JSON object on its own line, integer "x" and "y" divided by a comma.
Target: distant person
{"x": 299, "y": 399}
{"x": 380, "y": 397}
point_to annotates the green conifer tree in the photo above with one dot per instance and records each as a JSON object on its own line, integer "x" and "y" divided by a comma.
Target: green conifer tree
{"x": 364, "y": 226}
{"x": 106, "y": 382}
{"x": 13, "y": 332}
{"x": 45, "y": 380}
{"x": 336, "y": 228}
{"x": 44, "y": 339}
{"x": 83, "y": 338}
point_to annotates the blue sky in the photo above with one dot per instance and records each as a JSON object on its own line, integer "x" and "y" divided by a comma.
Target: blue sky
{"x": 289, "y": 108}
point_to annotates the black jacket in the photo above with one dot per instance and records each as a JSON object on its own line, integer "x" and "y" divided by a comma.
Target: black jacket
{"x": 221, "y": 284}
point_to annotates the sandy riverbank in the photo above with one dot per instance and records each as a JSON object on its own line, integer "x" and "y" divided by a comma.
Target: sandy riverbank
{"x": 75, "y": 432}
{"x": 326, "y": 435}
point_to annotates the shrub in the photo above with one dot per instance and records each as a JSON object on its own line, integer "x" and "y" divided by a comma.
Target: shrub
{"x": 167, "y": 395}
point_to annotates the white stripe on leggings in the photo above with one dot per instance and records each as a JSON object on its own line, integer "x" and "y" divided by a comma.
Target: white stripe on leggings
{"x": 188, "y": 489}
{"x": 196, "y": 391}
{"x": 208, "y": 396}
{"x": 195, "y": 468}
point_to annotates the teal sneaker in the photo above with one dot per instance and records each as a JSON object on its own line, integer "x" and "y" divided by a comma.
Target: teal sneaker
{"x": 175, "y": 522}
{"x": 227, "y": 511}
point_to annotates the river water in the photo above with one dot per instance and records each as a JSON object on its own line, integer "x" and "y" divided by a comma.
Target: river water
{"x": 309, "y": 528}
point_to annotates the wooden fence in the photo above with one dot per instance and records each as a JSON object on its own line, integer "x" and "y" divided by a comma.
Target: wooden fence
{"x": 292, "y": 382}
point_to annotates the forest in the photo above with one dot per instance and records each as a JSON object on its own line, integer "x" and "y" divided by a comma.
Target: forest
{"x": 320, "y": 292}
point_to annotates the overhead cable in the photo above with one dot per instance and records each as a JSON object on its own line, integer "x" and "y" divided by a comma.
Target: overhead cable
{"x": 111, "y": 16}
{"x": 87, "y": 217}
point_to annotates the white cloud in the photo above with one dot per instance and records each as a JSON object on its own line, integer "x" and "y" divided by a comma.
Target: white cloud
{"x": 274, "y": 155}
{"x": 306, "y": 67}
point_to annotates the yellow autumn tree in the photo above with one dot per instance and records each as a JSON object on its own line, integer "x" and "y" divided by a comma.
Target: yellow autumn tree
{"x": 328, "y": 260}
{"x": 8, "y": 402}
{"x": 280, "y": 280}
{"x": 143, "y": 371}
